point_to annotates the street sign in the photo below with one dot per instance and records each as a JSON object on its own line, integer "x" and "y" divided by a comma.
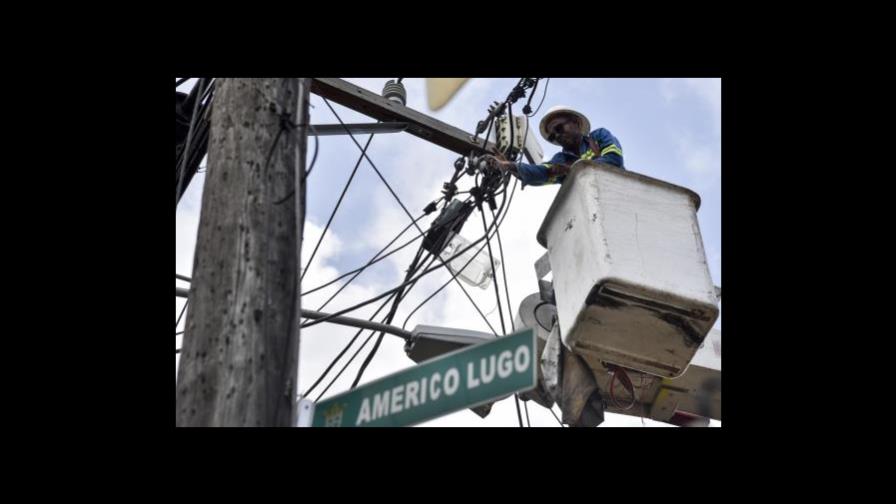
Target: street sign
{"x": 461, "y": 379}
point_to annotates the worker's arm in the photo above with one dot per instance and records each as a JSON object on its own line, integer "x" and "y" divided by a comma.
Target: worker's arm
{"x": 545, "y": 173}
{"x": 534, "y": 174}
{"x": 610, "y": 148}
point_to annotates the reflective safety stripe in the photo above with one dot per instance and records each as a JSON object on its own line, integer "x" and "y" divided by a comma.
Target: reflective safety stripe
{"x": 611, "y": 149}
{"x": 548, "y": 178}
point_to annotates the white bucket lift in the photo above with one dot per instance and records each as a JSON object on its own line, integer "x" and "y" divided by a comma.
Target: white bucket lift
{"x": 630, "y": 276}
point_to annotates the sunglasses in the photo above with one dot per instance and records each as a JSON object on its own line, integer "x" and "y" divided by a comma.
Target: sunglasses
{"x": 556, "y": 131}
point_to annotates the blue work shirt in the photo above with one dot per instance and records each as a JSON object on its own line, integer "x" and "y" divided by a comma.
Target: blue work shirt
{"x": 546, "y": 173}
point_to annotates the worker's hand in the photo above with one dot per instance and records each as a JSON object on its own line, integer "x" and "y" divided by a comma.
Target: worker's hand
{"x": 499, "y": 162}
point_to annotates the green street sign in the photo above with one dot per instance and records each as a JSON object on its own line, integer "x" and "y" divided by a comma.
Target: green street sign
{"x": 458, "y": 380}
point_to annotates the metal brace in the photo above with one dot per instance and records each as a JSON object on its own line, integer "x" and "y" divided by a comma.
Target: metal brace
{"x": 545, "y": 287}
{"x": 306, "y": 412}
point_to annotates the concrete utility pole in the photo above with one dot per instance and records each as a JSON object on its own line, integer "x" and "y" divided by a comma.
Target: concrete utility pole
{"x": 239, "y": 357}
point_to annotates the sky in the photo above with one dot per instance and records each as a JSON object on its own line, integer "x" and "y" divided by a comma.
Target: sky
{"x": 670, "y": 129}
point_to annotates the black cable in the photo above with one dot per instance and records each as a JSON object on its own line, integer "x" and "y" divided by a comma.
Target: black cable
{"x": 343, "y": 286}
{"x": 395, "y": 304}
{"x": 400, "y": 286}
{"x": 341, "y": 353}
{"x": 509, "y": 307}
{"x": 555, "y": 416}
{"x": 492, "y": 262}
{"x": 209, "y": 89}
{"x": 375, "y": 169}
{"x": 188, "y": 144}
{"x": 535, "y": 314}
{"x": 411, "y": 281}
{"x": 305, "y": 177}
{"x": 453, "y": 276}
{"x": 388, "y": 320}
{"x": 497, "y": 228}
{"x": 351, "y": 359}
{"x": 181, "y": 313}
{"x": 336, "y": 208}
{"x": 362, "y": 268}
{"x": 487, "y": 132}
{"x": 267, "y": 161}
{"x": 510, "y": 120}
{"x": 411, "y": 270}
{"x": 626, "y": 382}
{"x": 408, "y": 213}
{"x": 528, "y": 108}
{"x": 504, "y": 271}
{"x": 194, "y": 156}
{"x": 528, "y": 116}
{"x": 180, "y": 81}
{"x": 461, "y": 269}
{"x": 498, "y": 298}
{"x": 316, "y": 148}
{"x": 544, "y": 94}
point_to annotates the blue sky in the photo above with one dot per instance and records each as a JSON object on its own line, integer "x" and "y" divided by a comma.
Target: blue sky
{"x": 670, "y": 129}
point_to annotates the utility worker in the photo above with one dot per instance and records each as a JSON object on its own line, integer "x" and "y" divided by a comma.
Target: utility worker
{"x": 569, "y": 129}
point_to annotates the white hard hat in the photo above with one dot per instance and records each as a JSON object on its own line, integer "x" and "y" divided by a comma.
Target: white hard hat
{"x": 584, "y": 123}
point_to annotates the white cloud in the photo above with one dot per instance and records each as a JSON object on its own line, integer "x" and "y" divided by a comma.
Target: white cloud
{"x": 708, "y": 92}
{"x": 700, "y": 160}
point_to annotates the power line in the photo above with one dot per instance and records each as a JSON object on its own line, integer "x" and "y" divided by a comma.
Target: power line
{"x": 516, "y": 397}
{"x": 551, "y": 409}
{"x": 403, "y": 207}
{"x": 352, "y": 358}
{"x": 504, "y": 271}
{"x": 498, "y": 298}
{"x": 305, "y": 176}
{"x": 361, "y": 270}
{"x": 374, "y": 259}
{"x": 341, "y": 353}
{"x": 350, "y": 343}
{"x": 464, "y": 267}
{"x": 346, "y": 349}
{"x": 336, "y": 208}
{"x": 369, "y": 263}
{"x": 189, "y": 143}
{"x": 408, "y": 282}
{"x": 453, "y": 276}
{"x": 492, "y": 262}
{"x": 544, "y": 94}
{"x": 411, "y": 270}
{"x": 181, "y": 313}
{"x": 509, "y": 314}
{"x": 375, "y": 169}
{"x": 316, "y": 149}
